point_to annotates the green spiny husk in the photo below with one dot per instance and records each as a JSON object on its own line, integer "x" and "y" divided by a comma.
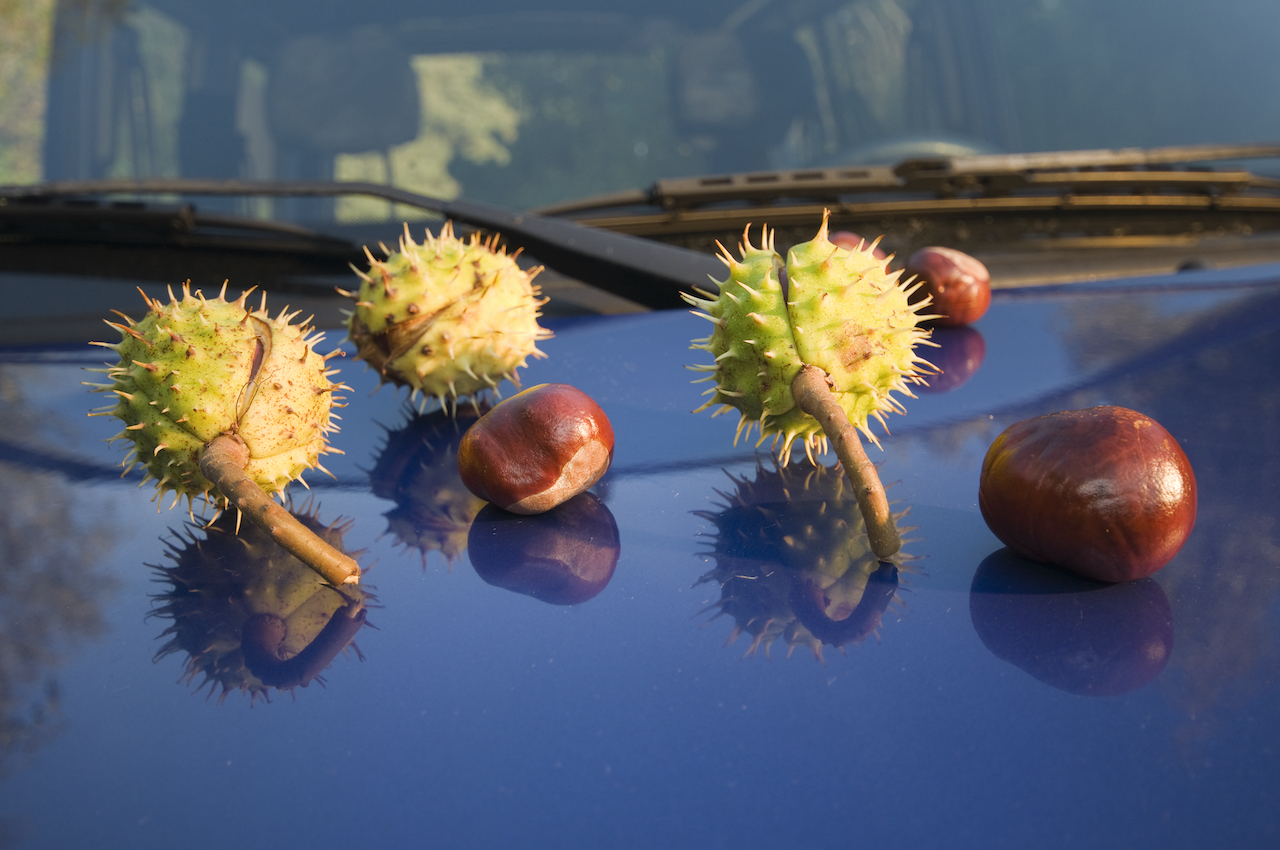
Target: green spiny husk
{"x": 842, "y": 311}
{"x": 194, "y": 369}
{"x": 447, "y": 317}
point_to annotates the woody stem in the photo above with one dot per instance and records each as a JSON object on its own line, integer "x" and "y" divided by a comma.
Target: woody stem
{"x": 812, "y": 393}
{"x": 223, "y": 462}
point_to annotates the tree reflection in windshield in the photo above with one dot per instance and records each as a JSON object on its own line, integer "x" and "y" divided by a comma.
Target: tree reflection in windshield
{"x": 529, "y": 104}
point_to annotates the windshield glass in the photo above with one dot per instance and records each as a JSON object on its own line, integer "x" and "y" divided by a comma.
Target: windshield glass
{"x": 526, "y": 104}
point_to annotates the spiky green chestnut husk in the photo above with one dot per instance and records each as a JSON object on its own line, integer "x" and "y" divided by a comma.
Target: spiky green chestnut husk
{"x": 194, "y": 368}
{"x": 447, "y": 318}
{"x": 842, "y": 311}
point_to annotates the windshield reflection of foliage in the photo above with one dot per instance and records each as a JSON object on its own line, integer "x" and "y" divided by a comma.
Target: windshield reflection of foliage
{"x": 249, "y": 616}
{"x": 25, "y": 26}
{"x": 462, "y": 114}
{"x": 1225, "y": 582}
{"x": 488, "y": 116}
{"x": 50, "y": 597}
{"x": 793, "y": 560}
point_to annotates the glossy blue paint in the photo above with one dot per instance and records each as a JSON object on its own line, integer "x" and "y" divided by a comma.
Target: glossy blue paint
{"x": 482, "y": 717}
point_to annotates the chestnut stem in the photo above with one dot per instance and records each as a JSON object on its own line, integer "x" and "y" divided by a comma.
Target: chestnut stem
{"x": 812, "y": 393}
{"x": 222, "y": 462}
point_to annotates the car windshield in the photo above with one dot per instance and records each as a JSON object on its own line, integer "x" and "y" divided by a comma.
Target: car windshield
{"x": 529, "y": 104}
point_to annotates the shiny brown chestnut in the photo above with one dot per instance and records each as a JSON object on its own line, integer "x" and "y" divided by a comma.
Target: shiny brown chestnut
{"x": 960, "y": 284}
{"x": 1104, "y": 492}
{"x": 537, "y": 449}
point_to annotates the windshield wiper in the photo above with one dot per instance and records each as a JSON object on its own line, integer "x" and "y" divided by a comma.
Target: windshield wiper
{"x": 1101, "y": 191}
{"x": 648, "y": 273}
{"x": 50, "y": 218}
{"x": 1166, "y": 176}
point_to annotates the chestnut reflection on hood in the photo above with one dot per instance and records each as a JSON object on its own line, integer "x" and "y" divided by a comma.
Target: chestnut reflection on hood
{"x": 1081, "y": 636}
{"x": 564, "y": 556}
{"x": 793, "y": 560}
{"x": 418, "y": 470}
{"x": 250, "y": 616}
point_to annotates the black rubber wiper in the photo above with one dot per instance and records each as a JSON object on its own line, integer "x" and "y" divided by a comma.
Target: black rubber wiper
{"x": 51, "y": 218}
{"x": 1136, "y": 169}
{"x": 967, "y": 182}
{"x": 648, "y": 273}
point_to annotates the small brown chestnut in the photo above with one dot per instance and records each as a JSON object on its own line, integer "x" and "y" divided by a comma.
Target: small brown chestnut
{"x": 1105, "y": 492}
{"x": 960, "y": 284}
{"x": 537, "y": 449}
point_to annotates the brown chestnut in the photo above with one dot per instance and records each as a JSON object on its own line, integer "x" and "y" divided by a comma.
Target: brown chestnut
{"x": 1105, "y": 492}
{"x": 960, "y": 284}
{"x": 851, "y": 241}
{"x": 537, "y": 449}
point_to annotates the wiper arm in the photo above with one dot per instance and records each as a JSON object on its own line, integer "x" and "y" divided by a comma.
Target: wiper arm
{"x": 1131, "y": 158}
{"x": 50, "y": 218}
{"x": 653, "y": 273}
{"x": 1136, "y": 169}
{"x": 1130, "y": 169}
{"x": 975, "y": 200}
{"x": 648, "y": 273}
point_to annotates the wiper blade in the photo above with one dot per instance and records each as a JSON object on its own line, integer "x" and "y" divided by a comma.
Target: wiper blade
{"x": 648, "y": 273}
{"x": 1091, "y": 159}
{"x": 51, "y": 218}
{"x": 1137, "y": 169}
{"x": 1130, "y": 169}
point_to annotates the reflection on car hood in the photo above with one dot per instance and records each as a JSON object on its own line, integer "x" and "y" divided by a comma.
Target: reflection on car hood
{"x": 599, "y": 706}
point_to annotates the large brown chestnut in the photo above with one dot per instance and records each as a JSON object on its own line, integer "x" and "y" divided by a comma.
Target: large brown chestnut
{"x": 960, "y": 284}
{"x": 537, "y": 449}
{"x": 1105, "y": 492}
